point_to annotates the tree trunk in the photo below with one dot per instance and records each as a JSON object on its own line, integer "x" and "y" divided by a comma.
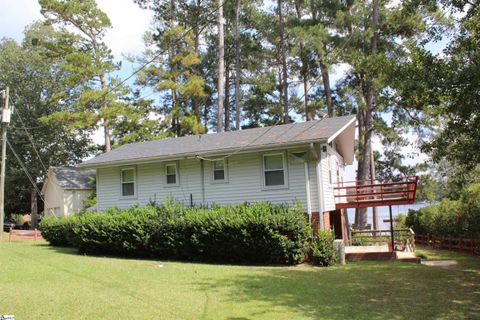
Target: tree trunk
{"x": 364, "y": 161}
{"x": 227, "y": 97}
{"x": 237, "y": 66}
{"x": 106, "y": 130}
{"x": 205, "y": 117}
{"x": 326, "y": 88}
{"x": 221, "y": 66}
{"x": 283, "y": 57}
{"x": 195, "y": 100}
{"x": 174, "y": 112}
{"x": 304, "y": 69}
{"x": 34, "y": 208}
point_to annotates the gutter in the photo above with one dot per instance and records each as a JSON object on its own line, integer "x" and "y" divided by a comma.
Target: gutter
{"x": 194, "y": 155}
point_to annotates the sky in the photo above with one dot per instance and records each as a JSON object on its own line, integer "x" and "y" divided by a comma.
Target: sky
{"x": 129, "y": 22}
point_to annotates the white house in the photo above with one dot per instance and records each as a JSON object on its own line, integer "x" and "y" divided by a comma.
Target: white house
{"x": 298, "y": 162}
{"x": 66, "y": 188}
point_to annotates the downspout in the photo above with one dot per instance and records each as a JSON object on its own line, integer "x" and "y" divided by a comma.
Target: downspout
{"x": 321, "y": 205}
{"x": 202, "y": 178}
{"x": 307, "y": 190}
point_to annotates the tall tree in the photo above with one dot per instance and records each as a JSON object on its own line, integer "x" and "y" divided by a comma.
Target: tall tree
{"x": 282, "y": 44}
{"x": 238, "y": 73}
{"x": 97, "y": 96}
{"x": 221, "y": 68}
{"x": 377, "y": 35}
{"x": 32, "y": 71}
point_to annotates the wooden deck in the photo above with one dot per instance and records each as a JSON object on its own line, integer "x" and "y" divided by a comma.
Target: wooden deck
{"x": 364, "y": 194}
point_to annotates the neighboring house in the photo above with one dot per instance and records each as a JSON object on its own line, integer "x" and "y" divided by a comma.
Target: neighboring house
{"x": 298, "y": 162}
{"x": 66, "y": 188}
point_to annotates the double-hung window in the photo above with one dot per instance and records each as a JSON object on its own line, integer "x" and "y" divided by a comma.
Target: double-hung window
{"x": 219, "y": 171}
{"x": 171, "y": 174}
{"x": 128, "y": 182}
{"x": 274, "y": 170}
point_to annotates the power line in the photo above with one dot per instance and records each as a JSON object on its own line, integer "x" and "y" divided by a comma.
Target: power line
{"x": 31, "y": 141}
{"x": 151, "y": 60}
{"x": 32, "y": 181}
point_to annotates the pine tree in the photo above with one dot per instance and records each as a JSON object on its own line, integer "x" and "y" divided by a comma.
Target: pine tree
{"x": 97, "y": 96}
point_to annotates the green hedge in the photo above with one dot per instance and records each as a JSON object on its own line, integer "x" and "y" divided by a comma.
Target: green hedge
{"x": 247, "y": 233}
{"x": 323, "y": 252}
{"x": 449, "y": 217}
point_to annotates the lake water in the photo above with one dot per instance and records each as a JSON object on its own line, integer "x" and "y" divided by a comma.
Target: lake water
{"x": 383, "y": 213}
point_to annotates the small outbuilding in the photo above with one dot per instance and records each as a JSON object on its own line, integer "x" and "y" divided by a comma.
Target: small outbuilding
{"x": 66, "y": 188}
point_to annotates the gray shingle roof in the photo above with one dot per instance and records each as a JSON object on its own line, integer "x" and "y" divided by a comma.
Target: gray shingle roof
{"x": 74, "y": 178}
{"x": 293, "y": 133}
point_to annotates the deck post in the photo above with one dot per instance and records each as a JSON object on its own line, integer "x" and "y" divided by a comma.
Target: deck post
{"x": 392, "y": 237}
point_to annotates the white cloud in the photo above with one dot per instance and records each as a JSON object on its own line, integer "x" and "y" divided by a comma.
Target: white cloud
{"x": 15, "y": 15}
{"x": 129, "y": 22}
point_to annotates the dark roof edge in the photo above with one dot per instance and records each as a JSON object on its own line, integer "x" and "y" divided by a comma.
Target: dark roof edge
{"x": 194, "y": 154}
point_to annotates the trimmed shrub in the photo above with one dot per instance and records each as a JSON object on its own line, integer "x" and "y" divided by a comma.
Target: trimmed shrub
{"x": 246, "y": 233}
{"x": 58, "y": 231}
{"x": 323, "y": 252}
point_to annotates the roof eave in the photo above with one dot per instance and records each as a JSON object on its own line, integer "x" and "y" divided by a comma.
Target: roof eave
{"x": 195, "y": 154}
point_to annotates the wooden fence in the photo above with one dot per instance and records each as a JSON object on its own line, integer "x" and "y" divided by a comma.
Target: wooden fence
{"x": 460, "y": 244}
{"x": 24, "y": 234}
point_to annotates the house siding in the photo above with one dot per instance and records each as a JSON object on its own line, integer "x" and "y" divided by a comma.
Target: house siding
{"x": 73, "y": 200}
{"x": 330, "y": 161}
{"x": 54, "y": 198}
{"x": 244, "y": 183}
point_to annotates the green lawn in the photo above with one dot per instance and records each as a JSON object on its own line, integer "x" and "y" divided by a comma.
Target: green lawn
{"x": 41, "y": 282}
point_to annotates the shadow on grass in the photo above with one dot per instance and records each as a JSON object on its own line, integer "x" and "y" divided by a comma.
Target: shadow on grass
{"x": 359, "y": 291}
{"x": 76, "y": 252}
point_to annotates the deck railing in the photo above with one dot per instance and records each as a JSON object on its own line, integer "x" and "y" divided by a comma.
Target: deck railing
{"x": 404, "y": 238}
{"x": 365, "y": 193}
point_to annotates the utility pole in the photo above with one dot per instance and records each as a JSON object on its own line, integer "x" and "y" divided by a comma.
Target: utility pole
{"x": 5, "y": 121}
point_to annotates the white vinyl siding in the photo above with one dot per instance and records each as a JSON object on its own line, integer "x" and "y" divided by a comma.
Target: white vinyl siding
{"x": 63, "y": 202}
{"x": 245, "y": 183}
{"x": 331, "y": 162}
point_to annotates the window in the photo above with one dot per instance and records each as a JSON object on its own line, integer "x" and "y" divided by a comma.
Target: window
{"x": 274, "y": 171}
{"x": 128, "y": 182}
{"x": 219, "y": 170}
{"x": 171, "y": 174}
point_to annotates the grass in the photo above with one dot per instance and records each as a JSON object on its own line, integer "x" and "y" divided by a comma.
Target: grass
{"x": 41, "y": 282}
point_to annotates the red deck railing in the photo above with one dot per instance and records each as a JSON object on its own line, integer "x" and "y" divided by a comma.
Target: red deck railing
{"x": 364, "y": 194}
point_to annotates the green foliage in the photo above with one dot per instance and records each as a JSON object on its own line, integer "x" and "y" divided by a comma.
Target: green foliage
{"x": 400, "y": 221}
{"x": 246, "y": 233}
{"x": 95, "y": 98}
{"x": 32, "y": 71}
{"x": 58, "y": 231}
{"x": 454, "y": 76}
{"x": 450, "y": 217}
{"x": 323, "y": 252}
